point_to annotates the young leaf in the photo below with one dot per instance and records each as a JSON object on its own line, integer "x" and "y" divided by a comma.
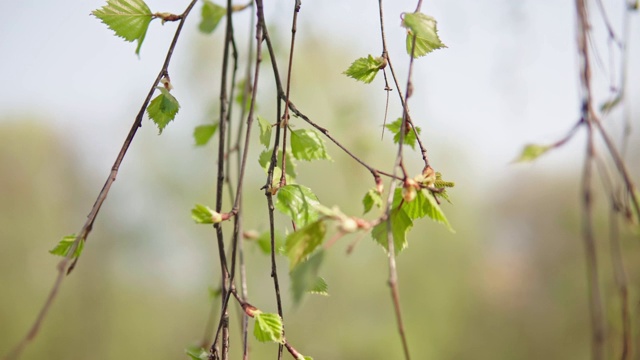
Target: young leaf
{"x": 129, "y": 19}
{"x": 305, "y": 279}
{"x": 302, "y": 242}
{"x": 211, "y": 16}
{"x": 365, "y": 69}
{"x": 196, "y": 353}
{"x": 432, "y": 209}
{"x": 63, "y": 247}
{"x": 204, "y": 215}
{"x": 265, "y": 131}
{"x": 532, "y": 152}
{"x": 415, "y": 209}
{"x": 320, "y": 287}
{"x": 267, "y": 327}
{"x": 163, "y": 108}
{"x": 214, "y": 293}
{"x": 609, "y": 105}
{"x": 372, "y": 197}
{"x": 264, "y": 242}
{"x": 265, "y": 160}
{"x": 401, "y": 223}
{"x": 308, "y": 145}
{"x": 203, "y": 133}
{"x": 424, "y": 27}
{"x": 409, "y": 137}
{"x": 298, "y": 202}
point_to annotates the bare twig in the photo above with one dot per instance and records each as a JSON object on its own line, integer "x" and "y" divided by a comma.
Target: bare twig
{"x": 595, "y": 300}
{"x": 66, "y": 265}
{"x": 263, "y": 33}
{"x": 375, "y": 172}
{"x": 246, "y": 92}
{"x": 224, "y": 120}
{"x": 296, "y": 10}
{"x": 239, "y": 188}
{"x": 622, "y": 281}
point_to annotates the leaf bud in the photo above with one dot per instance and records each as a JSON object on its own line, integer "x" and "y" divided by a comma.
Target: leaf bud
{"x": 409, "y": 193}
{"x": 348, "y": 225}
{"x": 216, "y": 217}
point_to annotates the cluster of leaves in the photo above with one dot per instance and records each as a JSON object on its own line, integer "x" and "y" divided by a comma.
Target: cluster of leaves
{"x": 421, "y": 31}
{"x": 419, "y": 198}
{"x": 130, "y": 20}
{"x": 419, "y": 26}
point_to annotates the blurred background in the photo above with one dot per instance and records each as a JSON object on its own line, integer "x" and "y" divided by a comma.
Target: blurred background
{"x": 509, "y": 284}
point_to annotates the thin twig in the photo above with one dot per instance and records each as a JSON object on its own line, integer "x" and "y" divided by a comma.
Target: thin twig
{"x": 325, "y": 132}
{"x": 263, "y": 32}
{"x": 622, "y": 282}
{"x": 66, "y": 265}
{"x": 620, "y": 165}
{"x": 405, "y": 107}
{"x": 246, "y": 92}
{"x": 595, "y": 300}
{"x": 224, "y": 269}
{"x": 296, "y": 10}
{"x": 393, "y": 273}
{"x": 239, "y": 189}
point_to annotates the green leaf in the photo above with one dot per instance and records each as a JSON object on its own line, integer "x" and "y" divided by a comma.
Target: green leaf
{"x": 163, "y": 108}
{"x": 298, "y": 202}
{"x": 202, "y": 214}
{"x": 401, "y": 223}
{"x": 365, "y": 69}
{"x": 264, "y": 242}
{"x": 432, "y": 209}
{"x": 265, "y": 131}
{"x": 532, "y": 152}
{"x": 308, "y": 145}
{"x": 211, "y": 16}
{"x": 425, "y": 29}
{"x": 265, "y": 160}
{"x": 609, "y": 105}
{"x": 64, "y": 246}
{"x": 409, "y": 136}
{"x": 424, "y": 204}
{"x": 129, "y": 19}
{"x": 214, "y": 293}
{"x": 196, "y": 353}
{"x": 302, "y": 242}
{"x": 443, "y": 195}
{"x": 305, "y": 279}
{"x": 320, "y": 287}
{"x": 372, "y": 197}
{"x": 203, "y": 133}
{"x": 267, "y": 327}
{"x": 415, "y": 209}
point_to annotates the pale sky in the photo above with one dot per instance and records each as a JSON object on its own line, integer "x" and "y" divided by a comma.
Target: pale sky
{"x": 507, "y": 78}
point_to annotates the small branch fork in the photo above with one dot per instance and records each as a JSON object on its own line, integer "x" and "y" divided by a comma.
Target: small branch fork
{"x": 66, "y": 265}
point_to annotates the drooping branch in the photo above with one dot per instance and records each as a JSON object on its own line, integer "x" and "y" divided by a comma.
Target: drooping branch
{"x": 595, "y": 301}
{"x": 66, "y": 265}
